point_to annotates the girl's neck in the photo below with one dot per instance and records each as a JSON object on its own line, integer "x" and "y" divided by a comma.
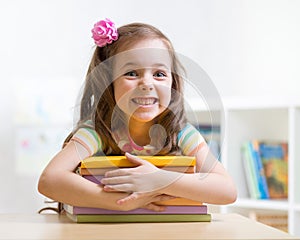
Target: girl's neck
{"x": 139, "y": 132}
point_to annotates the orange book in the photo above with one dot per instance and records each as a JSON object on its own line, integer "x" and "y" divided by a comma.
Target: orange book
{"x": 179, "y": 201}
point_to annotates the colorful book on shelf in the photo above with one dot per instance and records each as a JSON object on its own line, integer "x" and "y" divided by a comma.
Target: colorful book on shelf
{"x": 249, "y": 170}
{"x": 259, "y": 169}
{"x": 122, "y": 161}
{"x": 169, "y": 210}
{"x": 275, "y": 160}
{"x": 137, "y": 218}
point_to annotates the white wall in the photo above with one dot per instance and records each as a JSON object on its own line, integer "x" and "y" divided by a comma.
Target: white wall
{"x": 246, "y": 47}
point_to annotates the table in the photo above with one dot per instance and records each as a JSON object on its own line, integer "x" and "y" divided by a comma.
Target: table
{"x": 53, "y": 226}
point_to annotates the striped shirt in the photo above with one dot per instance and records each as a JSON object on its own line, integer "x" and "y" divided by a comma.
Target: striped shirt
{"x": 189, "y": 140}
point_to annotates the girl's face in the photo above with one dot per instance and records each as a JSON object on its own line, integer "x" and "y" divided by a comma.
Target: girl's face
{"x": 143, "y": 80}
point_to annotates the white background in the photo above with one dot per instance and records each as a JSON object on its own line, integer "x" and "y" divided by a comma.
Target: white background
{"x": 248, "y": 48}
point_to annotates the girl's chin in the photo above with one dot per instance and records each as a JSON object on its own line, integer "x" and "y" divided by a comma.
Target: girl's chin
{"x": 144, "y": 116}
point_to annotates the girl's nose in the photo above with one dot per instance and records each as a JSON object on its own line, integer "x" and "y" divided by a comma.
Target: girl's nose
{"x": 146, "y": 83}
{"x": 146, "y": 87}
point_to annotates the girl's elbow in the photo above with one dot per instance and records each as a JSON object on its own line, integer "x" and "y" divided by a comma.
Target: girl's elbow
{"x": 44, "y": 184}
{"x": 231, "y": 194}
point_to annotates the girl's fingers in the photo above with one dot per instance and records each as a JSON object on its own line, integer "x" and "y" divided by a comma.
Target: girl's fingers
{"x": 118, "y": 172}
{"x": 154, "y": 207}
{"x": 134, "y": 159}
{"x": 131, "y": 197}
{"x": 115, "y": 180}
{"x": 109, "y": 189}
{"x": 120, "y": 187}
{"x": 163, "y": 197}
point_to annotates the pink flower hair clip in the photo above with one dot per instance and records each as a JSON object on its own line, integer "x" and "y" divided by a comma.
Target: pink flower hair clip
{"x": 104, "y": 32}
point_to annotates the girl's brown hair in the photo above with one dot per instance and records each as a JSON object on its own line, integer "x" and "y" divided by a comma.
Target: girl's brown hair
{"x": 100, "y": 107}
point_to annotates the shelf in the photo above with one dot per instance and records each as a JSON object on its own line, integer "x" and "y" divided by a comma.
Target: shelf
{"x": 261, "y": 102}
{"x": 261, "y": 118}
{"x": 280, "y": 205}
{"x": 297, "y": 207}
{"x": 245, "y": 103}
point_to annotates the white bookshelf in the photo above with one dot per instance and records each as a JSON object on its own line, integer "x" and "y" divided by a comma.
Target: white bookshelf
{"x": 262, "y": 118}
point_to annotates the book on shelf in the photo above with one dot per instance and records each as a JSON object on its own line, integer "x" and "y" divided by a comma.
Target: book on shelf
{"x": 265, "y": 166}
{"x": 254, "y": 170}
{"x": 249, "y": 170}
{"x": 192, "y": 209}
{"x": 275, "y": 160}
{"x": 137, "y": 218}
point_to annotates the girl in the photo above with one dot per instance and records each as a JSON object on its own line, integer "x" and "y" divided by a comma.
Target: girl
{"x": 132, "y": 104}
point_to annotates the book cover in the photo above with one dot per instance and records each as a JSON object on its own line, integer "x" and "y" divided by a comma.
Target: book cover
{"x": 121, "y": 161}
{"x": 169, "y": 210}
{"x": 275, "y": 160}
{"x": 135, "y": 218}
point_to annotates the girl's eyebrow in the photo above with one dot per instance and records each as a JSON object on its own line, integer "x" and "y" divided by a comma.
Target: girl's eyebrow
{"x": 128, "y": 64}
{"x": 137, "y": 66}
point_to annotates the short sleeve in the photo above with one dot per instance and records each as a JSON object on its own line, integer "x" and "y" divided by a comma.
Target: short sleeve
{"x": 190, "y": 140}
{"x": 89, "y": 139}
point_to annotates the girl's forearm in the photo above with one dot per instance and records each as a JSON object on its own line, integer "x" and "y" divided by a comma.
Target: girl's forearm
{"x": 203, "y": 187}
{"x": 70, "y": 188}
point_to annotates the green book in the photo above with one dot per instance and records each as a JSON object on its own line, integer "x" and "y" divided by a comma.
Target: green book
{"x": 134, "y": 218}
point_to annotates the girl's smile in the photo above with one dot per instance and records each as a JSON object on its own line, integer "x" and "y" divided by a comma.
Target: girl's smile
{"x": 144, "y": 101}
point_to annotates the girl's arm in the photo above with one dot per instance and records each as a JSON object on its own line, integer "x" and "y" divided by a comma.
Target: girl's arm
{"x": 59, "y": 182}
{"x": 210, "y": 184}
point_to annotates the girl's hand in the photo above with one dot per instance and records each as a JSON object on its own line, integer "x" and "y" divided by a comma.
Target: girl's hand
{"x": 145, "y": 178}
{"x": 144, "y": 200}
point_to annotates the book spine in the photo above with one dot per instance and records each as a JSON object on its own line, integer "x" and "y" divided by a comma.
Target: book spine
{"x": 259, "y": 170}
{"x": 249, "y": 172}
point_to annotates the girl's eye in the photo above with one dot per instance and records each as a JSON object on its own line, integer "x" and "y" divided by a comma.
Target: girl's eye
{"x": 160, "y": 74}
{"x": 131, "y": 74}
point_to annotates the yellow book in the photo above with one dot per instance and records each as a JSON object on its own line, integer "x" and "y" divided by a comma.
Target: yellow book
{"x": 102, "y": 171}
{"x": 121, "y": 161}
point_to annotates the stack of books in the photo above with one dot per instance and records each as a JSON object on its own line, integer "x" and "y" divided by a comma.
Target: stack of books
{"x": 177, "y": 209}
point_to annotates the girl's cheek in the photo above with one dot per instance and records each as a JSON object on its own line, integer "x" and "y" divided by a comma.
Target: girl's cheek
{"x": 165, "y": 95}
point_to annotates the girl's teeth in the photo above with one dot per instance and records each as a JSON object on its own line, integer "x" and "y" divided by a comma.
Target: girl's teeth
{"x": 144, "y": 101}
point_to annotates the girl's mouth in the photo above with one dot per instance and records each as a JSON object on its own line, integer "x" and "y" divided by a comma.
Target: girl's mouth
{"x": 145, "y": 101}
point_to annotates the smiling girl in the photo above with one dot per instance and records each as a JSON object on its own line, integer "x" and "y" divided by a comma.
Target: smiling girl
{"x": 133, "y": 104}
